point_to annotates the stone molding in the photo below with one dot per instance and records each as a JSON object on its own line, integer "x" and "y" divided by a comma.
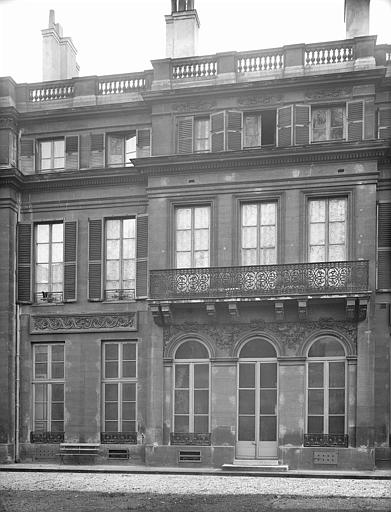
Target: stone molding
{"x": 95, "y": 322}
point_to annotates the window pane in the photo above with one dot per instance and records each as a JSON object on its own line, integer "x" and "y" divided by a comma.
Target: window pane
{"x": 315, "y": 401}
{"x": 201, "y": 217}
{"x": 46, "y": 149}
{"x": 315, "y": 424}
{"x": 41, "y": 392}
{"x": 268, "y": 236}
{"x": 336, "y": 401}
{"x": 201, "y": 401}
{"x": 336, "y": 375}
{"x": 337, "y": 253}
{"x": 42, "y": 233}
{"x": 267, "y": 428}
{"x": 317, "y": 253}
{"x": 58, "y": 352}
{"x": 128, "y": 271}
{"x": 268, "y": 214}
{"x": 128, "y": 426}
{"x": 268, "y": 375}
{"x": 42, "y": 253}
{"x": 181, "y": 401}
{"x": 111, "y": 411}
{"x": 337, "y": 210}
{"x": 201, "y": 259}
{"x": 112, "y": 249}
{"x": 42, "y": 273}
{"x": 57, "y": 412}
{"x": 128, "y": 248}
{"x": 326, "y": 347}
{"x": 129, "y": 392}
{"x": 268, "y": 401}
{"x": 112, "y": 270}
{"x": 249, "y": 257}
{"x": 183, "y": 218}
{"x": 181, "y": 423}
{"x": 317, "y": 234}
{"x": 183, "y": 240}
{"x": 129, "y": 228}
{"x": 128, "y": 411}
{"x": 129, "y": 369}
{"x": 57, "y": 232}
{"x": 337, "y": 233}
{"x": 111, "y": 392}
{"x": 58, "y": 146}
{"x": 129, "y": 351}
{"x": 249, "y": 238}
{"x": 111, "y": 426}
{"x": 181, "y": 376}
{"x": 246, "y": 428}
{"x": 246, "y": 401}
{"x": 113, "y": 229}
{"x": 251, "y": 131}
{"x": 201, "y": 376}
{"x": 201, "y": 424}
{"x": 41, "y": 370}
{"x": 201, "y": 240}
{"x": 57, "y": 370}
{"x": 246, "y": 375}
{"x": 57, "y": 274}
{"x": 191, "y": 350}
{"x": 336, "y": 424}
{"x": 183, "y": 260}
{"x": 111, "y": 369}
{"x": 268, "y": 257}
{"x": 57, "y": 426}
{"x": 115, "y": 149}
{"x": 249, "y": 214}
{"x": 315, "y": 375}
{"x": 111, "y": 351}
{"x": 317, "y": 211}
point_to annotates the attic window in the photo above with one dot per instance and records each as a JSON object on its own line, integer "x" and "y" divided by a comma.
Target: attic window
{"x": 259, "y": 129}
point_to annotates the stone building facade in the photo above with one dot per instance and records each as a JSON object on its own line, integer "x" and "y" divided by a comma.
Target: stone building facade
{"x": 195, "y": 263}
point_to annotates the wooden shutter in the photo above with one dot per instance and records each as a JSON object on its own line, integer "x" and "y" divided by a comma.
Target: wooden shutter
{"x": 24, "y": 263}
{"x": 27, "y": 156}
{"x": 95, "y": 260}
{"x": 72, "y": 152}
{"x": 84, "y": 150}
{"x": 302, "y": 118}
{"x": 234, "y": 130}
{"x": 218, "y": 131}
{"x": 185, "y": 135}
{"x": 355, "y": 118}
{"x": 97, "y": 145}
{"x": 144, "y": 142}
{"x": 142, "y": 256}
{"x": 384, "y": 246}
{"x": 70, "y": 261}
{"x": 384, "y": 123}
{"x": 284, "y": 126}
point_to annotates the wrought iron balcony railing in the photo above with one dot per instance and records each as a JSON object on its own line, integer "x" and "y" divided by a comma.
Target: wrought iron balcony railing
{"x": 119, "y": 294}
{"x": 337, "y": 277}
{"x": 48, "y": 297}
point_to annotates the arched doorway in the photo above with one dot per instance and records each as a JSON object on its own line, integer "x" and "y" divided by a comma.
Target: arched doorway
{"x": 257, "y": 400}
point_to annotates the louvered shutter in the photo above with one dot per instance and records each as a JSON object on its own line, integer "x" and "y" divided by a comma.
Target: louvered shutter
{"x": 234, "y": 130}
{"x": 95, "y": 260}
{"x": 218, "y": 131}
{"x": 355, "y": 118}
{"x": 185, "y": 135}
{"x": 70, "y": 261}
{"x": 84, "y": 150}
{"x": 284, "y": 126}
{"x": 72, "y": 152}
{"x": 143, "y": 142}
{"x": 384, "y": 246}
{"x": 142, "y": 256}
{"x": 97, "y": 150}
{"x": 384, "y": 123}
{"x": 27, "y": 156}
{"x": 302, "y": 124}
{"x": 24, "y": 263}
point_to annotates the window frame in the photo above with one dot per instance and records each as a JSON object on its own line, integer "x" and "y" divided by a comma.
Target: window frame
{"x": 119, "y": 381}
{"x": 48, "y": 382}
{"x": 52, "y": 157}
{"x": 192, "y": 207}
{"x": 123, "y": 136}
{"x": 328, "y": 107}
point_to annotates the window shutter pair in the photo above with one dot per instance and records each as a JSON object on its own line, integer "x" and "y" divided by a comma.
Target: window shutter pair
{"x": 360, "y": 117}
{"x": 384, "y": 246}
{"x": 293, "y": 125}
{"x": 226, "y": 130}
{"x": 25, "y": 262}
{"x": 143, "y": 142}
{"x": 92, "y": 150}
{"x": 96, "y": 253}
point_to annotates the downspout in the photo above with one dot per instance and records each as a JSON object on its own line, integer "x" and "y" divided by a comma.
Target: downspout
{"x": 17, "y": 356}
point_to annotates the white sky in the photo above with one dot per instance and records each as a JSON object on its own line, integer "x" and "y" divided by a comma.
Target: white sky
{"x": 120, "y": 36}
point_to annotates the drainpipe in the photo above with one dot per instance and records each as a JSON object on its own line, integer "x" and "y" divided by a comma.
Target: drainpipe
{"x": 17, "y": 386}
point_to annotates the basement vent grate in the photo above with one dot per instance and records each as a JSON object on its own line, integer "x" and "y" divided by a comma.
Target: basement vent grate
{"x": 325, "y": 458}
{"x": 189, "y": 456}
{"x": 119, "y": 454}
{"x": 45, "y": 452}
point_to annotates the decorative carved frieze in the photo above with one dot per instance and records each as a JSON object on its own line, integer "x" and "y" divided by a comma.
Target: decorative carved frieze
{"x": 195, "y": 106}
{"x": 118, "y": 437}
{"x": 190, "y": 439}
{"x": 340, "y": 440}
{"x": 46, "y": 437}
{"x": 335, "y": 92}
{"x": 267, "y": 99}
{"x": 290, "y": 334}
{"x": 89, "y": 322}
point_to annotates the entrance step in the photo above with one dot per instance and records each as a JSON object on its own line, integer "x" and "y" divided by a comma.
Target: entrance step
{"x": 255, "y": 465}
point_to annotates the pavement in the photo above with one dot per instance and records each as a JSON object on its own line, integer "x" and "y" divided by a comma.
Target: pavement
{"x": 377, "y": 474}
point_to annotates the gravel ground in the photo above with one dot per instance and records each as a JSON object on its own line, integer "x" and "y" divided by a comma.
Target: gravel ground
{"x": 189, "y": 484}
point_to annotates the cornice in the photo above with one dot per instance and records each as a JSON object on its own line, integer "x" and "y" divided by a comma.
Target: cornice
{"x": 260, "y": 158}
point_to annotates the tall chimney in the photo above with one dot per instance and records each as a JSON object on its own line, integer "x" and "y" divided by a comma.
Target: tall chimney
{"x": 357, "y": 18}
{"x": 182, "y": 27}
{"x": 58, "y": 53}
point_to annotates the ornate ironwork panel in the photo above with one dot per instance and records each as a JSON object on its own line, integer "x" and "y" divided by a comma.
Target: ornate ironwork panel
{"x": 46, "y": 437}
{"x": 340, "y": 440}
{"x": 260, "y": 281}
{"x": 190, "y": 438}
{"x": 118, "y": 437}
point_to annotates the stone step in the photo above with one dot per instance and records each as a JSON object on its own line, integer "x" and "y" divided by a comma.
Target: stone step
{"x": 256, "y": 465}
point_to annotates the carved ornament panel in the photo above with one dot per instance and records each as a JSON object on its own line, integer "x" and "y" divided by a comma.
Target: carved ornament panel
{"x": 90, "y": 322}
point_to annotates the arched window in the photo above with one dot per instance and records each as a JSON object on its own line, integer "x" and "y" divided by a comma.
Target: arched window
{"x": 191, "y": 388}
{"x": 326, "y": 385}
{"x": 258, "y": 348}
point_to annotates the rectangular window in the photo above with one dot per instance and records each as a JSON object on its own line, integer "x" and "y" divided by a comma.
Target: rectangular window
{"x": 49, "y": 262}
{"x": 48, "y": 387}
{"x": 192, "y": 237}
{"x": 191, "y": 397}
{"x": 120, "y": 242}
{"x": 201, "y": 134}
{"x": 328, "y": 124}
{"x": 326, "y": 397}
{"x": 52, "y": 154}
{"x": 259, "y": 129}
{"x": 259, "y": 233}
{"x": 327, "y": 229}
{"x": 123, "y": 147}
{"x": 119, "y": 386}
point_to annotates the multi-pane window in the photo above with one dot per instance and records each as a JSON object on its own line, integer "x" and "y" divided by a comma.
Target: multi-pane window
{"x": 192, "y": 238}
{"x": 52, "y": 154}
{"x": 191, "y": 388}
{"x": 121, "y": 148}
{"x": 259, "y": 129}
{"x": 201, "y": 134}
{"x": 326, "y": 399}
{"x": 119, "y": 387}
{"x": 328, "y": 123}
{"x": 259, "y": 233}
{"x": 49, "y": 262}
{"x": 48, "y": 387}
{"x": 120, "y": 258}
{"x": 327, "y": 229}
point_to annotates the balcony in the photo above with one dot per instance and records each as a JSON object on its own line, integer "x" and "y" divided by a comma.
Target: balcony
{"x": 120, "y": 294}
{"x": 267, "y": 281}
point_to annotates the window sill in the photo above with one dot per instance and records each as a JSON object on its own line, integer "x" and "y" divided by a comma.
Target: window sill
{"x": 47, "y": 304}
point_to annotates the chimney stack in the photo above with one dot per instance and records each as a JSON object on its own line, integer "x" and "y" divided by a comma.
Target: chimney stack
{"x": 357, "y": 18}
{"x": 182, "y": 28}
{"x": 58, "y": 53}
